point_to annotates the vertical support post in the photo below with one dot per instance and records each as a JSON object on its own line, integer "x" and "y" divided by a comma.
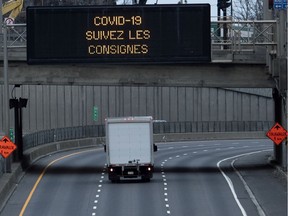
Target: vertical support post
{"x": 20, "y": 128}
{"x": 218, "y": 19}
{"x": 278, "y": 118}
{"x": 1, "y": 26}
{"x": 1, "y": 17}
{"x": 231, "y": 10}
{"x": 1, "y": 33}
{"x": 225, "y": 28}
{"x": 22, "y": 104}
{"x": 16, "y": 121}
{"x": 6, "y": 94}
{"x": 286, "y": 156}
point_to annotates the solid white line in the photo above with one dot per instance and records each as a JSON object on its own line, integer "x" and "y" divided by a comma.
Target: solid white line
{"x": 249, "y": 191}
{"x": 230, "y": 183}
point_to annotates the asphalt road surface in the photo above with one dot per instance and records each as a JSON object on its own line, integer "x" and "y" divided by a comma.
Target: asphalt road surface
{"x": 199, "y": 178}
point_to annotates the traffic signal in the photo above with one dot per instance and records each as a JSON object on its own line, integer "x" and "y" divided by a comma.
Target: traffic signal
{"x": 223, "y": 4}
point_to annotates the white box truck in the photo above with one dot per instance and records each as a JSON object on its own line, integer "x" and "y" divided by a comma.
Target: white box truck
{"x": 129, "y": 148}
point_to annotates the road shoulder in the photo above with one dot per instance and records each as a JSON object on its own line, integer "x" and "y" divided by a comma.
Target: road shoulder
{"x": 271, "y": 190}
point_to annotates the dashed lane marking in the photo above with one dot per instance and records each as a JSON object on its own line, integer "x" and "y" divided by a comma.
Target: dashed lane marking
{"x": 165, "y": 188}
{"x": 165, "y": 184}
{"x": 97, "y": 196}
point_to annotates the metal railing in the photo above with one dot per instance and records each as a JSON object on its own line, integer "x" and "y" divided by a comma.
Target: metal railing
{"x": 16, "y": 36}
{"x": 229, "y": 35}
{"x": 70, "y": 133}
{"x": 243, "y": 34}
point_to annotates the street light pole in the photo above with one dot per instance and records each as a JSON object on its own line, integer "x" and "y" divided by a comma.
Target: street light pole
{"x": 286, "y": 84}
{"x": 1, "y": 17}
{"x": 3, "y": 31}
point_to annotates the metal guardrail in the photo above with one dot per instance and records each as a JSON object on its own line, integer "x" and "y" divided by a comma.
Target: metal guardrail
{"x": 62, "y": 134}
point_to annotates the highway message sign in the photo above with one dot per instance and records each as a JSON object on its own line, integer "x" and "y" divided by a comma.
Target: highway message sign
{"x": 119, "y": 34}
{"x": 6, "y": 147}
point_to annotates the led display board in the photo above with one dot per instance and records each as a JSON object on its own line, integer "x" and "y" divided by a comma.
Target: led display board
{"x": 119, "y": 34}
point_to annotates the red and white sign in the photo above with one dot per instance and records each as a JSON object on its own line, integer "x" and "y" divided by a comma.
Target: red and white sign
{"x": 6, "y": 147}
{"x": 9, "y": 21}
{"x": 277, "y": 134}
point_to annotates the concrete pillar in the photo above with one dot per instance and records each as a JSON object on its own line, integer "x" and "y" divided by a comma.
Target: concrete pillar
{"x": 280, "y": 151}
{"x": 278, "y": 118}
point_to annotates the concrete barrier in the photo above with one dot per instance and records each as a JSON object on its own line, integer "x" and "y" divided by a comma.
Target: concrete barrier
{"x": 33, "y": 154}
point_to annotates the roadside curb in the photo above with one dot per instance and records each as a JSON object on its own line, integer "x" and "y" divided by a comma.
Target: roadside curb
{"x": 273, "y": 179}
{"x": 279, "y": 172}
{"x": 8, "y": 183}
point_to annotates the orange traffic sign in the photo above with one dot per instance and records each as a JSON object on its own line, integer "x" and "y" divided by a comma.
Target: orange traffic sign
{"x": 6, "y": 147}
{"x": 277, "y": 133}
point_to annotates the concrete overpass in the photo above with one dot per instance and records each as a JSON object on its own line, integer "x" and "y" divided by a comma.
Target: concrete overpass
{"x": 238, "y": 61}
{"x": 230, "y": 75}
